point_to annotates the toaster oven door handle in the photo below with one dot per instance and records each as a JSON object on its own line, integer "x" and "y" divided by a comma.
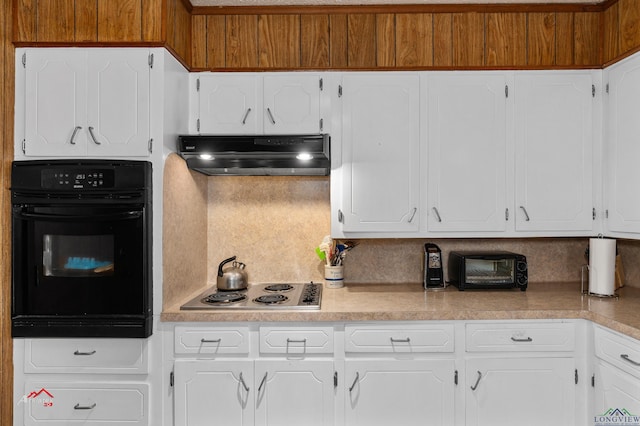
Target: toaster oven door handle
{"x": 526, "y": 339}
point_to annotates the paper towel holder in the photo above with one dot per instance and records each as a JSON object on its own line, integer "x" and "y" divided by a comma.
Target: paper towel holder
{"x": 587, "y": 292}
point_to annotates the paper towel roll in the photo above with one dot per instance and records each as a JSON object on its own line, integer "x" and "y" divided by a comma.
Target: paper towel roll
{"x": 602, "y": 266}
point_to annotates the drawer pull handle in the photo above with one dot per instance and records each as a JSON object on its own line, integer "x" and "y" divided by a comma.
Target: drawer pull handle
{"x": 407, "y": 340}
{"x": 474, "y": 387}
{"x": 84, "y": 353}
{"x": 355, "y": 381}
{"x": 527, "y": 339}
{"x": 626, "y": 358}
{"x": 84, "y": 407}
{"x": 244, "y": 385}
{"x": 203, "y": 340}
{"x": 262, "y": 382}
{"x": 296, "y": 340}
{"x": 72, "y": 141}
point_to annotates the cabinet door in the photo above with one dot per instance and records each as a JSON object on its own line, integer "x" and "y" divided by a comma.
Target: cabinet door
{"x": 622, "y": 147}
{"x": 291, "y": 103}
{"x": 617, "y": 394}
{"x": 213, "y": 392}
{"x": 229, "y": 104}
{"x": 467, "y": 152}
{"x": 55, "y": 102}
{"x": 118, "y": 102}
{"x": 294, "y": 392}
{"x": 523, "y": 391}
{"x": 392, "y": 392}
{"x": 553, "y": 121}
{"x": 380, "y": 152}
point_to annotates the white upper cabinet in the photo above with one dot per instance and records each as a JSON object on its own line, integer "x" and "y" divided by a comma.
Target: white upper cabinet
{"x": 237, "y": 103}
{"x": 467, "y": 152}
{"x": 87, "y": 102}
{"x": 380, "y": 152}
{"x": 553, "y": 151}
{"x": 622, "y": 147}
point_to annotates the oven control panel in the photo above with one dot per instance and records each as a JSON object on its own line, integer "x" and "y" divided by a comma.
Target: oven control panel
{"x": 77, "y": 179}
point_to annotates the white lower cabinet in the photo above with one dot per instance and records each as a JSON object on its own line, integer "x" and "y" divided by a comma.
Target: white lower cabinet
{"x": 522, "y": 391}
{"x": 294, "y": 392}
{"x": 208, "y": 390}
{"x": 400, "y": 392}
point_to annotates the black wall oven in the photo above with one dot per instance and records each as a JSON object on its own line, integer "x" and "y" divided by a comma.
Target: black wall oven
{"x": 81, "y": 260}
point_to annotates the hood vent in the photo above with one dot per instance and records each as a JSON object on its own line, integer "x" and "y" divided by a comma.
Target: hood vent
{"x": 279, "y": 155}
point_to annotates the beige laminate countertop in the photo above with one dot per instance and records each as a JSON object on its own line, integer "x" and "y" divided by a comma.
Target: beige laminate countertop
{"x": 410, "y": 302}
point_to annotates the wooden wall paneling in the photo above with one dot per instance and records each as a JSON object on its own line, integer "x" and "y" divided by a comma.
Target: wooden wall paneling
{"x": 541, "y": 39}
{"x": 314, "y": 41}
{"x": 216, "y": 47}
{"x": 279, "y": 41}
{"x": 153, "y": 25}
{"x": 25, "y": 20}
{"x": 629, "y": 16}
{"x": 361, "y": 41}
{"x": 611, "y": 39}
{"x": 443, "y": 40}
{"x": 338, "y": 41}
{"x": 241, "y": 37}
{"x": 506, "y": 39}
{"x": 55, "y": 20}
{"x": 564, "y": 38}
{"x": 385, "y": 40}
{"x": 468, "y": 39}
{"x": 414, "y": 39}
{"x": 119, "y": 20}
{"x": 6, "y": 154}
{"x": 182, "y": 32}
{"x": 199, "y": 41}
{"x": 86, "y": 21}
{"x": 587, "y": 50}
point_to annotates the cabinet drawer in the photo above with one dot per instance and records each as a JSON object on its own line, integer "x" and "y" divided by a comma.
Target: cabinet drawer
{"x": 520, "y": 337}
{"x": 211, "y": 340}
{"x": 294, "y": 340}
{"x": 47, "y": 403}
{"x": 95, "y": 356}
{"x": 399, "y": 338}
{"x": 621, "y": 351}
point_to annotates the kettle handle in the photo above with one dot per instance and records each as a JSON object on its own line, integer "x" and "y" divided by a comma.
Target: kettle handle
{"x": 224, "y": 262}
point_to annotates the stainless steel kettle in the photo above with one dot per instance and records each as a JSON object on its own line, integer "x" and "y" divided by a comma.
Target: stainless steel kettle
{"x": 233, "y": 278}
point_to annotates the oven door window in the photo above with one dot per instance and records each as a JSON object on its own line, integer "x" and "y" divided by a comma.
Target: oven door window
{"x": 77, "y": 255}
{"x": 82, "y": 261}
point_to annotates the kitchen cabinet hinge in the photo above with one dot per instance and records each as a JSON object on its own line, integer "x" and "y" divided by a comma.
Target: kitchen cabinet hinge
{"x": 506, "y": 91}
{"x": 197, "y": 85}
{"x": 340, "y": 90}
{"x": 506, "y": 214}
{"x": 593, "y": 213}
{"x": 198, "y": 125}
{"x": 593, "y": 90}
{"x": 455, "y": 377}
{"x": 151, "y": 60}
{"x": 607, "y": 88}
{"x": 24, "y": 60}
{"x": 150, "y": 145}
{"x": 321, "y": 83}
{"x": 340, "y": 216}
{"x": 171, "y": 379}
{"x": 606, "y": 214}
{"x": 335, "y": 379}
{"x": 593, "y": 381}
{"x": 321, "y": 124}
{"x": 576, "y": 376}
{"x": 24, "y": 146}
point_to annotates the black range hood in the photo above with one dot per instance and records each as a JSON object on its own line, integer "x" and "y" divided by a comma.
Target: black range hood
{"x": 277, "y": 155}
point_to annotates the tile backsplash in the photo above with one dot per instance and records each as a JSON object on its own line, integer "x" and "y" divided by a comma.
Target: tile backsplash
{"x": 273, "y": 225}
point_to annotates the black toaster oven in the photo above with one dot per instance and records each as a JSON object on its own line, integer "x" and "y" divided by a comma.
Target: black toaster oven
{"x": 487, "y": 270}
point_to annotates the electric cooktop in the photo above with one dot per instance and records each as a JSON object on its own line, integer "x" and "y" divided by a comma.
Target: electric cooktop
{"x": 260, "y": 296}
